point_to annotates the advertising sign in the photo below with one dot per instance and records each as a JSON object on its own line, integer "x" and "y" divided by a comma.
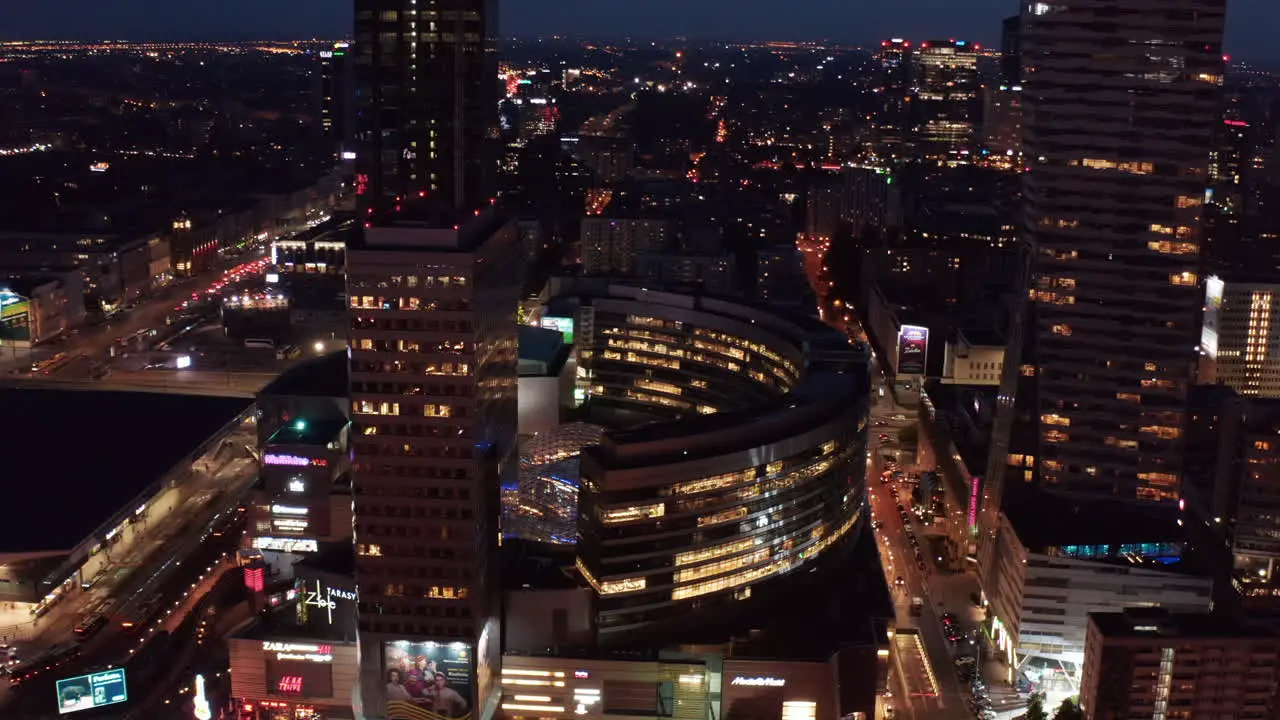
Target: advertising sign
{"x": 913, "y": 349}
{"x": 563, "y": 324}
{"x": 298, "y": 678}
{"x": 91, "y": 691}
{"x": 15, "y": 317}
{"x": 1213, "y": 290}
{"x": 428, "y": 680}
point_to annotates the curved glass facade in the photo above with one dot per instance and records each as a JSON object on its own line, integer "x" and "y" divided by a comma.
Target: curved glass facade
{"x": 760, "y": 471}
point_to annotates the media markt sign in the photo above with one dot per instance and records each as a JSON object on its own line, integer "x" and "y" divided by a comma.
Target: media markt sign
{"x": 326, "y": 598}
{"x": 759, "y": 681}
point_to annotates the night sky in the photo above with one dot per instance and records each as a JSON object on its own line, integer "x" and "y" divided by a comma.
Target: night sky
{"x": 1250, "y": 33}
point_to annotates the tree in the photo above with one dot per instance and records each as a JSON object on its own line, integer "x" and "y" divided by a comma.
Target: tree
{"x": 1069, "y": 710}
{"x": 1035, "y": 707}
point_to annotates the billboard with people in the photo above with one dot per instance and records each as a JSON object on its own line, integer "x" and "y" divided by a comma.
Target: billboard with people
{"x": 429, "y": 680}
{"x": 913, "y": 349}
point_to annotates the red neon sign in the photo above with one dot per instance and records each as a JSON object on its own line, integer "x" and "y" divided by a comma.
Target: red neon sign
{"x": 254, "y": 579}
{"x": 290, "y": 684}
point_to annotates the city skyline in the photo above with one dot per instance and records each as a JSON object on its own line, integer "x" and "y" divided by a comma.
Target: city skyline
{"x": 1247, "y": 22}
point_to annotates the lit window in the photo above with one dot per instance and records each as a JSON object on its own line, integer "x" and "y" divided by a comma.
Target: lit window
{"x": 437, "y": 411}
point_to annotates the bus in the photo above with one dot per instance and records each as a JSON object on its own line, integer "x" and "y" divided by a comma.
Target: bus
{"x": 49, "y": 364}
{"x": 136, "y": 618}
{"x": 89, "y": 625}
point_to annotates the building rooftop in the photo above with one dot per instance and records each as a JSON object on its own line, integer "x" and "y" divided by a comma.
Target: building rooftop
{"x": 542, "y": 351}
{"x": 73, "y": 459}
{"x": 1156, "y": 622}
{"x": 1044, "y": 520}
{"x": 338, "y": 558}
{"x": 325, "y": 376}
{"x": 308, "y": 432}
{"x": 281, "y": 624}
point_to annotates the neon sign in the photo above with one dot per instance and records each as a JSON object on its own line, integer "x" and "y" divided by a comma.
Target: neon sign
{"x": 289, "y": 545}
{"x": 254, "y": 579}
{"x": 291, "y": 684}
{"x": 293, "y": 460}
{"x": 974, "y": 488}
{"x": 300, "y": 651}
{"x": 759, "y": 681}
{"x": 202, "y": 711}
{"x": 324, "y": 598}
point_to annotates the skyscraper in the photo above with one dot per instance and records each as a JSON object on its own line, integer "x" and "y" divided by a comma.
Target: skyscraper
{"x": 893, "y": 121}
{"x": 947, "y": 103}
{"x": 433, "y": 394}
{"x": 1120, "y": 100}
{"x": 433, "y": 285}
{"x": 427, "y": 94}
{"x": 337, "y": 97}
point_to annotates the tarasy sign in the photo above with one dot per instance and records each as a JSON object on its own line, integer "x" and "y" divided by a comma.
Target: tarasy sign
{"x": 326, "y": 598}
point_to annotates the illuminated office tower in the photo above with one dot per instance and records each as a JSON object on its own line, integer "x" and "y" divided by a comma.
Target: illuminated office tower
{"x": 892, "y": 116}
{"x": 947, "y": 97}
{"x": 427, "y": 107}
{"x": 433, "y": 396}
{"x": 1121, "y": 99}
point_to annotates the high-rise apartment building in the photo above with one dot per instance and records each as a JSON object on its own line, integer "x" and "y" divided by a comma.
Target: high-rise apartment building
{"x": 1120, "y": 99}
{"x": 433, "y": 393}
{"x": 947, "y": 97}
{"x": 427, "y": 78}
{"x": 1151, "y": 663}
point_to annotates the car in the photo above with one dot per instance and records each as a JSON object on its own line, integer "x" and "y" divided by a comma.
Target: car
{"x": 876, "y": 524}
{"x": 912, "y": 539}
{"x": 883, "y": 437}
{"x": 948, "y": 618}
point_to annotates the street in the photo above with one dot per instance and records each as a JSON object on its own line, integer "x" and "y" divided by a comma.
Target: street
{"x": 146, "y": 554}
{"x": 925, "y": 665}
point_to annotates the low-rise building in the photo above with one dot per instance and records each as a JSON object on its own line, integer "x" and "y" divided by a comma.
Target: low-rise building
{"x": 1053, "y": 565}
{"x": 115, "y": 269}
{"x": 39, "y": 305}
{"x": 302, "y": 499}
{"x": 1150, "y": 662}
{"x": 972, "y": 357}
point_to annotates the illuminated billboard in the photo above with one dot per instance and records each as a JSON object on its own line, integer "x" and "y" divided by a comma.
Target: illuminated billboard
{"x": 1213, "y": 291}
{"x": 15, "y": 317}
{"x": 299, "y": 670}
{"x": 428, "y": 680}
{"x": 913, "y": 349}
{"x": 563, "y": 324}
{"x": 95, "y": 690}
